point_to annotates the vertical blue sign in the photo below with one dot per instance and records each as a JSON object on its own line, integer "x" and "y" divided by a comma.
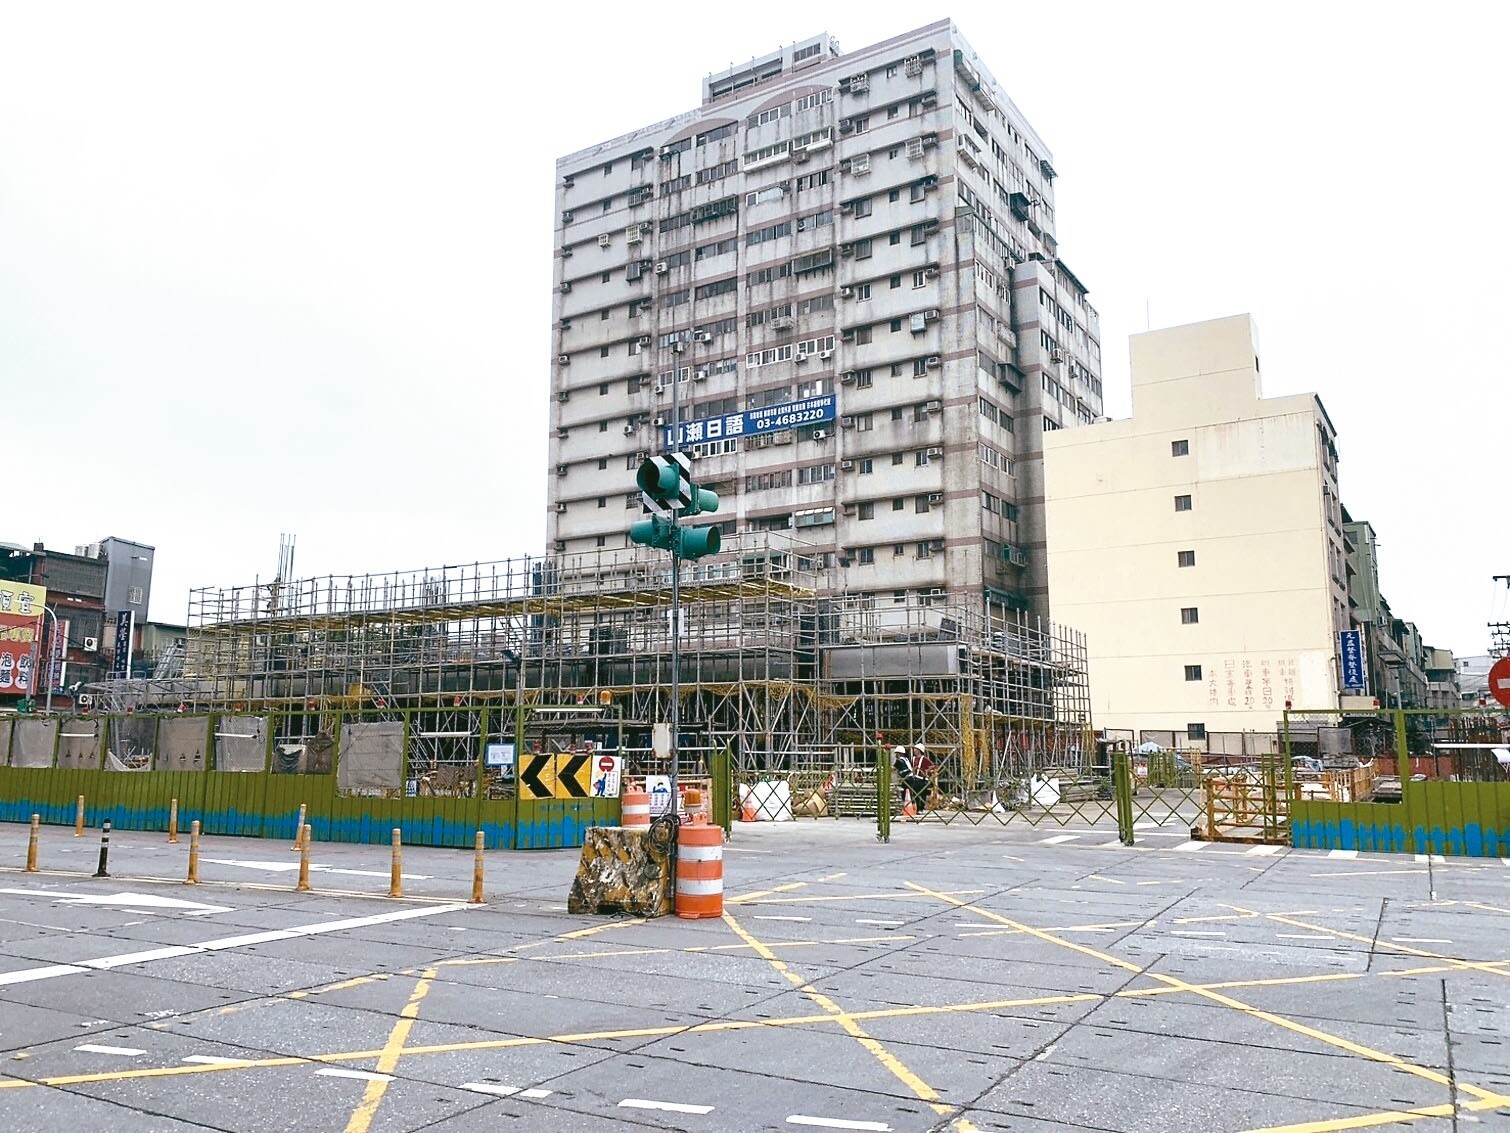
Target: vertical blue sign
{"x": 1350, "y": 644}
{"x": 120, "y": 664}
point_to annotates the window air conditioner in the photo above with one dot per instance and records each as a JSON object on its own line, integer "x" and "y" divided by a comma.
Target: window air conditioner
{"x": 566, "y": 324}
{"x": 935, "y": 497}
{"x": 701, "y": 336}
{"x": 642, "y": 456}
{"x": 561, "y": 509}
{"x": 604, "y": 240}
{"x": 566, "y": 216}
{"x": 561, "y": 469}
{"x": 563, "y": 359}
{"x": 933, "y": 406}
{"x": 846, "y": 293}
{"x": 564, "y": 395}
{"x": 847, "y": 378}
{"x": 931, "y": 271}
{"x": 847, "y": 465}
{"x": 935, "y": 453}
{"x": 933, "y": 361}
{"x": 560, "y": 544}
{"x": 662, "y": 267}
{"x": 849, "y": 509}
{"x": 643, "y": 340}
{"x": 931, "y": 315}
{"x": 825, "y": 355}
{"x": 700, "y": 376}
{"x": 91, "y": 644}
{"x": 566, "y": 287}
{"x": 846, "y": 422}
{"x": 629, "y": 428}
{"x": 782, "y": 322}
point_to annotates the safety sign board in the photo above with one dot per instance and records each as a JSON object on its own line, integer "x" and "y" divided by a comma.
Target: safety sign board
{"x": 605, "y": 776}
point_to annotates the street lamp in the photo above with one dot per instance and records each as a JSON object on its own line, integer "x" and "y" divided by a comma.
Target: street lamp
{"x": 51, "y": 640}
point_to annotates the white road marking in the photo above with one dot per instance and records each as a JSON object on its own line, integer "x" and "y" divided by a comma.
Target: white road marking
{"x": 1195, "y": 932}
{"x": 490, "y": 1088}
{"x": 1419, "y": 940}
{"x": 1430, "y": 858}
{"x": 1342, "y": 853}
{"x": 1189, "y": 846}
{"x": 359, "y": 1075}
{"x": 891, "y": 924}
{"x": 133, "y": 901}
{"x": 1262, "y": 851}
{"x": 289, "y": 867}
{"x": 51, "y": 971}
{"x": 1304, "y": 936}
{"x": 802, "y": 920}
{"x": 836, "y": 1123}
{"x": 534, "y": 1093}
{"x": 670, "y": 1107}
{"x": 123, "y": 1051}
{"x": 216, "y": 1060}
{"x": 1056, "y": 839}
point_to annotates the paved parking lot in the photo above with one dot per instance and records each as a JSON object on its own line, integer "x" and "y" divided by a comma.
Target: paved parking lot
{"x": 980, "y": 978}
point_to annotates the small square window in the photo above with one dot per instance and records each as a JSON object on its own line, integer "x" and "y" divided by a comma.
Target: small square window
{"x": 893, "y": 111}
{"x": 1195, "y": 731}
{"x": 1187, "y": 558}
{"x": 867, "y": 511}
{"x": 1192, "y": 672}
{"x": 898, "y": 457}
{"x": 894, "y": 238}
{"x": 895, "y": 282}
{"x": 1189, "y": 615}
{"x": 896, "y": 325}
{"x": 1183, "y": 503}
{"x": 602, "y": 463}
{"x": 604, "y": 313}
{"x": 896, "y": 412}
{"x": 898, "y": 504}
{"x": 866, "y": 466}
{"x": 602, "y": 501}
{"x": 894, "y": 195}
{"x": 602, "y": 540}
{"x": 893, "y": 151}
{"x": 867, "y": 555}
{"x": 898, "y": 549}
{"x": 1179, "y": 448}
{"x": 602, "y": 352}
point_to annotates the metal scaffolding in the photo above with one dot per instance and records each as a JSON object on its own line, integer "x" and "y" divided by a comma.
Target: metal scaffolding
{"x": 774, "y": 666}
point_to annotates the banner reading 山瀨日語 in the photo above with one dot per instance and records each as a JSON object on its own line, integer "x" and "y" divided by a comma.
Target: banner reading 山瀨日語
{"x": 21, "y": 611}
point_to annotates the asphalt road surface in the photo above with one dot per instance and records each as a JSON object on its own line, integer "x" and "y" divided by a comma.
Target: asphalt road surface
{"x": 955, "y": 979}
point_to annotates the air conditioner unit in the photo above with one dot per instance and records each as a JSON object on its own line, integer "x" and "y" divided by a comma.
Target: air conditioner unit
{"x": 931, "y": 271}
{"x": 859, "y": 83}
{"x": 90, "y": 645}
{"x": 859, "y": 166}
{"x": 632, "y": 234}
{"x": 561, "y": 469}
{"x": 914, "y": 148}
{"x": 913, "y": 65}
{"x": 800, "y": 156}
{"x": 935, "y": 497}
{"x": 936, "y": 592}
{"x": 702, "y": 336}
{"x": 825, "y": 355}
{"x": 782, "y": 322}
{"x": 561, "y": 509}
{"x": 667, "y": 153}
{"x": 566, "y": 324}
{"x": 800, "y": 356}
{"x": 847, "y": 465}
{"x": 643, "y": 340}
{"x": 931, "y": 315}
{"x": 820, "y": 434}
{"x": 566, "y": 216}
{"x": 562, "y": 433}
{"x": 642, "y": 456}
{"x": 84, "y": 699}
{"x": 567, "y": 182}
{"x": 846, "y": 249}
{"x": 629, "y": 428}
{"x": 560, "y": 544}
{"x": 782, "y": 438}
{"x": 846, "y": 293}
{"x": 566, "y": 253}
{"x": 564, "y": 395}
{"x": 1055, "y": 356}
{"x": 933, "y": 362}
{"x": 935, "y": 453}
{"x": 929, "y": 98}
{"x": 933, "y": 406}
{"x": 936, "y": 545}
{"x": 563, "y": 359}
{"x": 662, "y": 267}
{"x": 846, "y": 125}
{"x": 847, "y": 422}
{"x": 565, "y": 288}
{"x": 700, "y": 375}
{"x": 847, "y": 378}
{"x": 604, "y": 240}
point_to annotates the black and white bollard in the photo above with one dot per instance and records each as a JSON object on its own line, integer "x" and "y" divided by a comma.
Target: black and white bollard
{"x": 104, "y": 849}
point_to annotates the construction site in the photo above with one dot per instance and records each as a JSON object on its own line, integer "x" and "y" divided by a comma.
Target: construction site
{"x": 774, "y": 668}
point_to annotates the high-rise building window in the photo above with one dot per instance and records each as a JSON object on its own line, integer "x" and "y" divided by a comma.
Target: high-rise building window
{"x": 1192, "y": 672}
{"x": 1195, "y": 731}
{"x": 1189, "y": 615}
{"x": 1183, "y": 503}
{"x": 1179, "y": 448}
{"x": 1187, "y": 558}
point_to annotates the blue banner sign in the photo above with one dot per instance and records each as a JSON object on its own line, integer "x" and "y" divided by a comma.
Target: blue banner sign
{"x": 1350, "y": 642}
{"x": 767, "y": 419}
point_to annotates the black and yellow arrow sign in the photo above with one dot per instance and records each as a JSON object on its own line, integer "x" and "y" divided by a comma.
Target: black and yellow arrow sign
{"x": 573, "y": 775}
{"x": 537, "y": 776}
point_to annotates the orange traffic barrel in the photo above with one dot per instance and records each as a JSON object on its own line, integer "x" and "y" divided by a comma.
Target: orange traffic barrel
{"x": 636, "y": 808}
{"x": 700, "y": 871}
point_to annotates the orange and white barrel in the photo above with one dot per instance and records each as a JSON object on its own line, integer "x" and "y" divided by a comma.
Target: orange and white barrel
{"x": 700, "y": 871}
{"x": 636, "y": 808}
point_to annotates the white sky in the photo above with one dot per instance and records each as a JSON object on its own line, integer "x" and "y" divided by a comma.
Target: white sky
{"x": 286, "y": 267}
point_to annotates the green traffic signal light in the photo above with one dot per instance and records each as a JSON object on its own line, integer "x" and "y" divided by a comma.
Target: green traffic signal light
{"x": 659, "y": 478}
{"x": 653, "y": 532}
{"x": 703, "y": 501}
{"x": 692, "y": 543}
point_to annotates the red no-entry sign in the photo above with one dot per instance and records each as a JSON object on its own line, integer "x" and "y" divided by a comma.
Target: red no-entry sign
{"x": 1499, "y": 681}
{"x": 605, "y": 764}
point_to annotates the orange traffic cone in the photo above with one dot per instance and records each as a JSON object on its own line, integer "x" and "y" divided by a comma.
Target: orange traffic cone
{"x": 908, "y": 809}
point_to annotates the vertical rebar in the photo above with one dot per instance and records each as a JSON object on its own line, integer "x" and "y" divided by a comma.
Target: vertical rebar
{"x": 193, "y": 878}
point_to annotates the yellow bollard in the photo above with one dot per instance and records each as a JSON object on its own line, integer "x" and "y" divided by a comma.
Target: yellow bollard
{"x": 193, "y": 878}
{"x": 396, "y": 871}
{"x": 303, "y": 841}
{"x": 299, "y": 830}
{"x": 173, "y": 822}
{"x": 31, "y": 845}
{"x": 477, "y": 870}
{"x": 78, "y": 819}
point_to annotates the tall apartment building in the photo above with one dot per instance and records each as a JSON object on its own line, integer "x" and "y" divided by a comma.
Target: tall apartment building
{"x": 1199, "y": 543}
{"x": 839, "y": 278}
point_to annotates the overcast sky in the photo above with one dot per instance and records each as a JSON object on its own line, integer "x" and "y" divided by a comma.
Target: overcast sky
{"x": 286, "y": 267}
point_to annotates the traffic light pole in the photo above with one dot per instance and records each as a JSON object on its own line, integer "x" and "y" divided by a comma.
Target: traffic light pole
{"x": 676, "y": 605}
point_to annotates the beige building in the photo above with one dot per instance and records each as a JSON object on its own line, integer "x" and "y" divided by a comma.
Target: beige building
{"x": 1199, "y": 544}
